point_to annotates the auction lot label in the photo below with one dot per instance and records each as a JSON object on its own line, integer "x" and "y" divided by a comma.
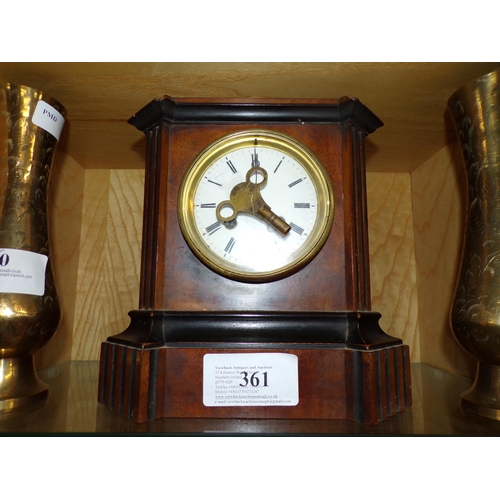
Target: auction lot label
{"x": 22, "y": 271}
{"x": 48, "y": 118}
{"x": 253, "y": 379}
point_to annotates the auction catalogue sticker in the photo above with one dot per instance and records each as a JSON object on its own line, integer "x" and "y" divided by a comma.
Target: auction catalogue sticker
{"x": 250, "y": 379}
{"x": 22, "y": 271}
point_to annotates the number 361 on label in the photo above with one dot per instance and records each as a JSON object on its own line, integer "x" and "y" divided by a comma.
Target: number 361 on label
{"x": 250, "y": 379}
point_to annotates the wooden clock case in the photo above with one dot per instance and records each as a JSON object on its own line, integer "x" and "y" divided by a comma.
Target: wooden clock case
{"x": 348, "y": 367}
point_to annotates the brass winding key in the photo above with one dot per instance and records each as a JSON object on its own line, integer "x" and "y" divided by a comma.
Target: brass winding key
{"x": 246, "y": 198}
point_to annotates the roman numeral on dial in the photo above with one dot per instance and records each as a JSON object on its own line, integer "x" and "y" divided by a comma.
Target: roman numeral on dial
{"x": 213, "y": 182}
{"x": 230, "y": 245}
{"x": 213, "y": 228}
{"x": 276, "y": 169}
{"x": 294, "y": 183}
{"x": 296, "y": 228}
{"x": 231, "y": 166}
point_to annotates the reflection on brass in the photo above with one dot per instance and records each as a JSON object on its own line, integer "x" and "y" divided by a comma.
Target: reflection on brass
{"x": 246, "y": 198}
{"x": 27, "y": 322}
{"x": 475, "y": 314}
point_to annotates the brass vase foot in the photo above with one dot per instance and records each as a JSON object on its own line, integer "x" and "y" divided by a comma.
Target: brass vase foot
{"x": 20, "y": 385}
{"x": 483, "y": 398}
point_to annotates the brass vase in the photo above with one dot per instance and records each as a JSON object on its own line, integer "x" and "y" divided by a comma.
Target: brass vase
{"x": 475, "y": 313}
{"x": 30, "y": 125}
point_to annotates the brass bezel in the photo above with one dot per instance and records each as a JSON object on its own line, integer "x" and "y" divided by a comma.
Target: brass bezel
{"x": 266, "y": 139}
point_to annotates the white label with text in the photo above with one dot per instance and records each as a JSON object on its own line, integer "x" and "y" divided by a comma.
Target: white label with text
{"x": 253, "y": 379}
{"x": 48, "y": 118}
{"x": 22, "y": 272}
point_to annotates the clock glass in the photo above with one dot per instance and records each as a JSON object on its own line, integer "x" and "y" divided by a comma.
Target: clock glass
{"x": 256, "y": 206}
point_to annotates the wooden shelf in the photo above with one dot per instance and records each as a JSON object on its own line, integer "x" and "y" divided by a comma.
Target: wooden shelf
{"x": 72, "y": 408}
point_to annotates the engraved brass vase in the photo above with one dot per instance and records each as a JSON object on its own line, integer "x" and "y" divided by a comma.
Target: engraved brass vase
{"x": 475, "y": 313}
{"x": 27, "y": 321}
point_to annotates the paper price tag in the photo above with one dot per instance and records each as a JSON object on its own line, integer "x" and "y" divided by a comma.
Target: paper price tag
{"x": 253, "y": 379}
{"x": 22, "y": 271}
{"x": 48, "y": 118}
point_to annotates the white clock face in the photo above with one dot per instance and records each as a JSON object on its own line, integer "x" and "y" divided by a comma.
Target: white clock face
{"x": 227, "y": 231}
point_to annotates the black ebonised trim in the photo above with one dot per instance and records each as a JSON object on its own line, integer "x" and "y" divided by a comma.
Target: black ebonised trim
{"x": 112, "y": 382}
{"x": 407, "y": 381}
{"x": 378, "y": 378}
{"x": 388, "y": 391}
{"x": 153, "y": 384}
{"x": 356, "y": 330}
{"x": 104, "y": 374}
{"x": 174, "y": 112}
{"x": 131, "y": 394}
{"x": 357, "y": 386}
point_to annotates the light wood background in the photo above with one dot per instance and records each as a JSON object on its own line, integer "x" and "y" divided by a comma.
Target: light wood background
{"x": 438, "y": 196}
{"x": 409, "y": 97}
{"x": 65, "y": 202}
{"x": 415, "y": 224}
{"x": 392, "y": 256}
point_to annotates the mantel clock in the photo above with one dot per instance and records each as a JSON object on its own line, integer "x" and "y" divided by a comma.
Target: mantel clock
{"x": 255, "y": 243}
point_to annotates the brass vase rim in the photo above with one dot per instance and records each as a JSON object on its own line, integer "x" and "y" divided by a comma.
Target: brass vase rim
{"x": 43, "y": 95}
{"x": 474, "y": 83}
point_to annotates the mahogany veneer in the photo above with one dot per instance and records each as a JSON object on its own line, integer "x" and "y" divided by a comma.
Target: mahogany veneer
{"x": 348, "y": 367}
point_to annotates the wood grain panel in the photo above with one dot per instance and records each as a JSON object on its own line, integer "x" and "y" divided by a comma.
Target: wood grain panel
{"x": 89, "y": 306}
{"x": 392, "y": 257}
{"x": 65, "y": 216}
{"x": 123, "y": 247}
{"x": 108, "y": 273}
{"x": 438, "y": 208}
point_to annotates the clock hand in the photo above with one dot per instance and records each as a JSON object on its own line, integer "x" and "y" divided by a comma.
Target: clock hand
{"x": 246, "y": 198}
{"x": 255, "y": 161}
{"x": 255, "y": 156}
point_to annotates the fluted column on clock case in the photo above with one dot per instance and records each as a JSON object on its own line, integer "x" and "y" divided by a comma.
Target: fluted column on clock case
{"x": 357, "y": 251}
{"x": 154, "y": 210}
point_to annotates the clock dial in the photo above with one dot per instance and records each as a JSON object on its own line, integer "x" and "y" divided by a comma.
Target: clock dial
{"x": 256, "y": 206}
